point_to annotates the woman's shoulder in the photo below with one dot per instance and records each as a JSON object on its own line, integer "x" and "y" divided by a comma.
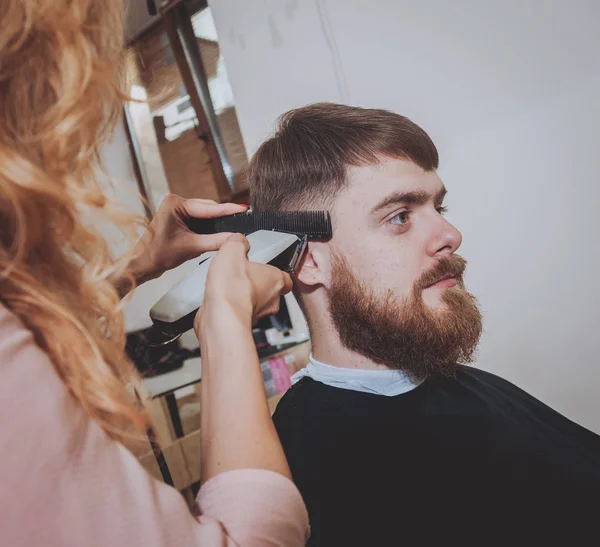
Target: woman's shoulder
{"x": 17, "y": 344}
{"x": 29, "y": 385}
{"x": 14, "y": 336}
{"x": 7, "y": 317}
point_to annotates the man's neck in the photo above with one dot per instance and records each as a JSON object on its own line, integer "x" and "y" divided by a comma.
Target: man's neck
{"x": 327, "y": 348}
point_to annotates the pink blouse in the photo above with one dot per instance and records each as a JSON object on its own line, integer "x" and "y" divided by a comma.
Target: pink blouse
{"x": 63, "y": 482}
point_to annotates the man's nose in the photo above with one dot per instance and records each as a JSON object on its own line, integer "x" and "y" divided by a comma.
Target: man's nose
{"x": 445, "y": 239}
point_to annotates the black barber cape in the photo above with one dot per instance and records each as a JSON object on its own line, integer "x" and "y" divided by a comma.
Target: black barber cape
{"x": 465, "y": 460}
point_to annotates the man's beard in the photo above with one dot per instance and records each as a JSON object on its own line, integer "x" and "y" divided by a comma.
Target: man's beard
{"x": 407, "y": 334}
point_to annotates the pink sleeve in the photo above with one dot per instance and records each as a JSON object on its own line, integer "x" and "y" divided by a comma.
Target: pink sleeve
{"x": 259, "y": 507}
{"x": 65, "y": 483}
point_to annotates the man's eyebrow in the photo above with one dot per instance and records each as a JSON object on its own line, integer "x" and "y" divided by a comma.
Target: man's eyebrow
{"x": 441, "y": 194}
{"x": 415, "y": 197}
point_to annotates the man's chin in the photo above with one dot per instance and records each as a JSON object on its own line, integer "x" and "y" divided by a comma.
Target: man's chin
{"x": 437, "y": 296}
{"x": 433, "y": 298}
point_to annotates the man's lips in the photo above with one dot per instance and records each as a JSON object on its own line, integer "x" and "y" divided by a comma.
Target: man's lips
{"x": 446, "y": 273}
{"x": 445, "y": 283}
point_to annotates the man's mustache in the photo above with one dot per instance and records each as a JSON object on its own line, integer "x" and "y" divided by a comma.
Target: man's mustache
{"x": 447, "y": 267}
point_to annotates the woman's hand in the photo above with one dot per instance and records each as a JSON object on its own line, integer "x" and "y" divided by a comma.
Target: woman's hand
{"x": 240, "y": 289}
{"x": 168, "y": 242}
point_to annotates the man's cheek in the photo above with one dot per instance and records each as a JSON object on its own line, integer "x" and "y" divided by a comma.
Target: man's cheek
{"x": 395, "y": 270}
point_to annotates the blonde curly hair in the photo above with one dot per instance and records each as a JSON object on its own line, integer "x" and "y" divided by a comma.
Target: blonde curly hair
{"x": 61, "y": 92}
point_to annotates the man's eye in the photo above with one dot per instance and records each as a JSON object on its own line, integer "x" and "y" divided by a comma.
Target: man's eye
{"x": 442, "y": 210}
{"x": 400, "y": 219}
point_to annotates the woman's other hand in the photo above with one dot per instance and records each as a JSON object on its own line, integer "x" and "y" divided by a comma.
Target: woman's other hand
{"x": 236, "y": 427}
{"x": 169, "y": 243}
{"x": 235, "y": 286}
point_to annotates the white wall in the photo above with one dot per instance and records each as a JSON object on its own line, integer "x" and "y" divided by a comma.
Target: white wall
{"x": 121, "y": 184}
{"x": 509, "y": 91}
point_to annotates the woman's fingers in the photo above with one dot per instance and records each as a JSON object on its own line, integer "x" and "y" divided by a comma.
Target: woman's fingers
{"x": 275, "y": 284}
{"x": 269, "y": 284}
{"x": 235, "y": 245}
{"x": 202, "y": 208}
{"x": 229, "y": 267}
{"x": 288, "y": 283}
{"x": 255, "y": 288}
{"x": 210, "y": 242}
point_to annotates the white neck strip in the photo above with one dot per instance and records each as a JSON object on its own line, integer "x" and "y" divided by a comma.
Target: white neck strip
{"x": 379, "y": 382}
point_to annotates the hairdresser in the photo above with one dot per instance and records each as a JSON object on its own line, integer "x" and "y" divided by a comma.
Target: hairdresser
{"x": 66, "y": 400}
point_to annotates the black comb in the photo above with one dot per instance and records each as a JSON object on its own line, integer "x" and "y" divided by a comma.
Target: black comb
{"x": 313, "y": 224}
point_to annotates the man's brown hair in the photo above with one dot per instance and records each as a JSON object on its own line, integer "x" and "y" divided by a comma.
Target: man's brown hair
{"x": 303, "y": 166}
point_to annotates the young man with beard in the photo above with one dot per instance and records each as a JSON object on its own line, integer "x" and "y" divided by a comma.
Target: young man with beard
{"x": 391, "y": 439}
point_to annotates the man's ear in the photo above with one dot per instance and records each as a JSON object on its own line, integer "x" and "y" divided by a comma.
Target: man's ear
{"x": 315, "y": 265}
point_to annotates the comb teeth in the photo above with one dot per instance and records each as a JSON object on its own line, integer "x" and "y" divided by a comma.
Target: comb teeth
{"x": 313, "y": 224}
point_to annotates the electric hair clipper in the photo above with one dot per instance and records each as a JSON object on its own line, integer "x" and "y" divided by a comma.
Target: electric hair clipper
{"x": 278, "y": 239}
